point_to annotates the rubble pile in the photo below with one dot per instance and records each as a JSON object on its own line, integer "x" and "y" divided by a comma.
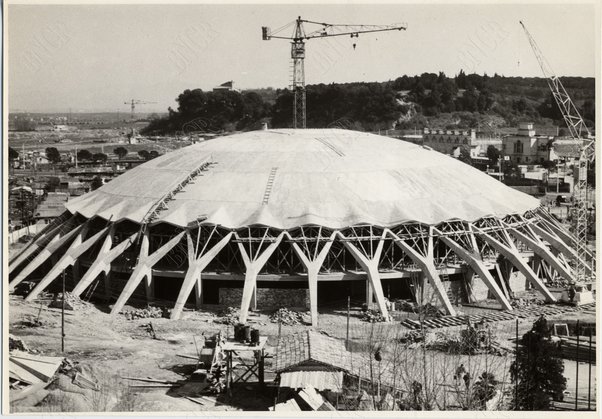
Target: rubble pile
{"x": 228, "y": 316}
{"x": 469, "y": 341}
{"x": 372, "y": 316}
{"x": 15, "y": 343}
{"x": 150, "y": 312}
{"x": 525, "y": 302}
{"x": 286, "y": 317}
{"x": 72, "y": 302}
{"x": 411, "y": 337}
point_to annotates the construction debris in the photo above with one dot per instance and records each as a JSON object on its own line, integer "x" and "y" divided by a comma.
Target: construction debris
{"x": 227, "y": 316}
{"x": 15, "y": 343}
{"x": 150, "y": 312}
{"x": 72, "y": 302}
{"x": 306, "y": 399}
{"x": 286, "y": 317}
{"x": 470, "y": 341}
{"x": 372, "y": 316}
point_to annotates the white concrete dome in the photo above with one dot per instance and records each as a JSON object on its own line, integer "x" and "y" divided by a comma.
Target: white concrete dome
{"x": 289, "y": 178}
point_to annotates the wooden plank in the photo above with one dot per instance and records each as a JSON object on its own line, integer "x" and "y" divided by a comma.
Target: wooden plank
{"x": 149, "y": 380}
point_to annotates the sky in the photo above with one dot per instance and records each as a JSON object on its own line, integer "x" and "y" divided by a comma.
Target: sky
{"x": 88, "y": 58}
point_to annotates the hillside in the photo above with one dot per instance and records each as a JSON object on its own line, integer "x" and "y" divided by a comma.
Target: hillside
{"x": 408, "y": 102}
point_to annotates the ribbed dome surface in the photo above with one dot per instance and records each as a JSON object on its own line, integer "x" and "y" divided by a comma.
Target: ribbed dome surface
{"x": 287, "y": 178}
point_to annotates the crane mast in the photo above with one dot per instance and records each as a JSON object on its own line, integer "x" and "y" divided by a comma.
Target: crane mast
{"x": 133, "y": 104}
{"x": 298, "y": 40}
{"x": 579, "y": 131}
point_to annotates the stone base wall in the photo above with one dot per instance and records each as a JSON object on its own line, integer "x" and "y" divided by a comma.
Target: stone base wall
{"x": 517, "y": 282}
{"x": 268, "y": 297}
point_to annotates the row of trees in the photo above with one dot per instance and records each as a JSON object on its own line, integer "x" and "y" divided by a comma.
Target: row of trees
{"x": 54, "y": 156}
{"x": 373, "y": 106}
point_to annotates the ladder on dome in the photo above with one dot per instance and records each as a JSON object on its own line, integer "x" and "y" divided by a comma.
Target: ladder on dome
{"x": 269, "y": 185}
{"x": 161, "y": 205}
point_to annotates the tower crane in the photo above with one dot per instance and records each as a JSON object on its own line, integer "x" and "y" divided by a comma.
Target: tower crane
{"x": 134, "y": 102}
{"x": 578, "y": 131}
{"x": 298, "y": 39}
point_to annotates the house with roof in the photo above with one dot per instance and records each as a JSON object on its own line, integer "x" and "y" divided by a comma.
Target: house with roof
{"x": 312, "y": 359}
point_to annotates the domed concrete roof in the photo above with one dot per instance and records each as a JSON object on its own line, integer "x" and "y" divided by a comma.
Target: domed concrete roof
{"x": 287, "y": 178}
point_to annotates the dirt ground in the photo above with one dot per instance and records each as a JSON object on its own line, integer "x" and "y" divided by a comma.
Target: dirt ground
{"x": 111, "y": 347}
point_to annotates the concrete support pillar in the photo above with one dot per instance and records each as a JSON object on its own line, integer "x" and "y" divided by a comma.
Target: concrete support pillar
{"x": 102, "y": 263}
{"x": 428, "y": 268}
{"x": 149, "y": 287}
{"x": 370, "y": 266}
{"x": 76, "y": 272}
{"x": 253, "y": 267}
{"x": 542, "y": 252}
{"x": 143, "y": 268}
{"x": 369, "y": 293}
{"x": 46, "y": 236}
{"x": 77, "y": 248}
{"x": 510, "y": 252}
{"x": 198, "y": 292}
{"x": 253, "y": 304}
{"x": 108, "y": 285}
{"x": 193, "y": 277}
{"x": 312, "y": 265}
{"x": 476, "y": 264}
{"x": 44, "y": 255}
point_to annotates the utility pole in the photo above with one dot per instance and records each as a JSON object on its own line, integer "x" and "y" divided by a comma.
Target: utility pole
{"x": 348, "y": 312}
{"x": 63, "y": 316}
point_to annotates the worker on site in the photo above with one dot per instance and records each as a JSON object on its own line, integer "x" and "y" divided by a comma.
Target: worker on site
{"x": 571, "y": 292}
{"x": 460, "y": 371}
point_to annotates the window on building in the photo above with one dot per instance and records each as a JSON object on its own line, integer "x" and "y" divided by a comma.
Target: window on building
{"x": 518, "y": 147}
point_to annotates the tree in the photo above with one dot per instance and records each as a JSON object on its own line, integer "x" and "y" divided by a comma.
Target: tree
{"x": 12, "y": 154}
{"x": 96, "y": 183}
{"x": 484, "y": 389}
{"x": 100, "y": 157}
{"x": 121, "y": 152}
{"x": 538, "y": 369}
{"x": 53, "y": 155}
{"x": 84, "y": 155}
{"x": 144, "y": 154}
{"x": 465, "y": 156}
{"x": 493, "y": 154}
{"x": 549, "y": 164}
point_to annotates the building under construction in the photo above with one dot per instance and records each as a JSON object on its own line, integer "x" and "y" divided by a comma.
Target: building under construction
{"x": 300, "y": 217}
